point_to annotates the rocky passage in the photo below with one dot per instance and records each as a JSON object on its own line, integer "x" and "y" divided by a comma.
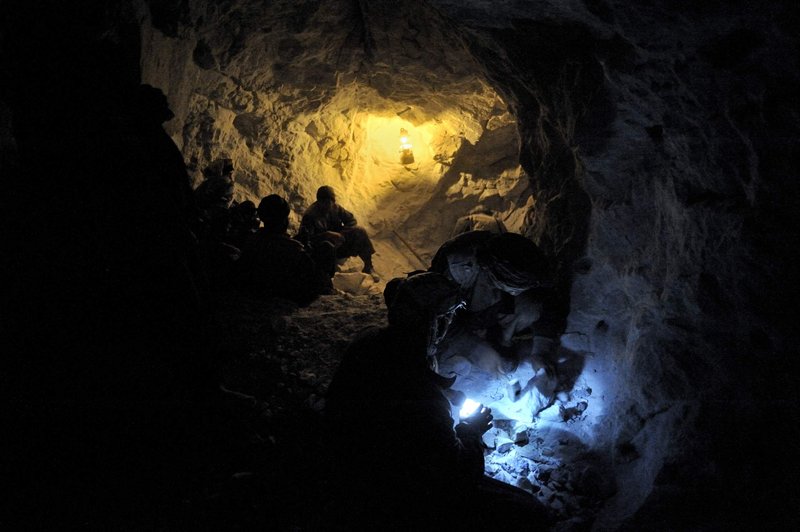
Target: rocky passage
{"x": 278, "y": 361}
{"x": 650, "y": 148}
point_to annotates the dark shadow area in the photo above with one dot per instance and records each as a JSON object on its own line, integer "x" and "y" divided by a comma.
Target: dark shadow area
{"x": 115, "y": 348}
{"x": 111, "y": 396}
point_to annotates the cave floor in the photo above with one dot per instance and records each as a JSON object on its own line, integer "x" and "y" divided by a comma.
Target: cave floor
{"x": 276, "y": 362}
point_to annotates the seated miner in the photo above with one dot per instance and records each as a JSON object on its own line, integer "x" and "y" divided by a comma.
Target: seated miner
{"x": 501, "y": 278}
{"x": 216, "y": 254}
{"x": 151, "y": 110}
{"x": 327, "y": 221}
{"x": 244, "y": 223}
{"x": 275, "y": 265}
{"x": 216, "y": 191}
{"x": 398, "y": 461}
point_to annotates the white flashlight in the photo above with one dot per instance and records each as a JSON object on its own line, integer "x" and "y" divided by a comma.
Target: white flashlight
{"x": 468, "y": 408}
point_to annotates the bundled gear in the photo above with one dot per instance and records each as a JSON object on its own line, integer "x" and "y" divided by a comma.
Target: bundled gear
{"x": 479, "y": 219}
{"x": 514, "y": 263}
{"x": 503, "y": 279}
{"x": 388, "y": 412}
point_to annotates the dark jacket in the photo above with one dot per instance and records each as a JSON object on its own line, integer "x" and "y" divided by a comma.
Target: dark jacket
{"x": 275, "y": 265}
{"x": 389, "y": 416}
{"x": 316, "y": 221}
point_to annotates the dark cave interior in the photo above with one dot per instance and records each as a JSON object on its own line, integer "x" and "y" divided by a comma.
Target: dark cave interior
{"x": 650, "y": 149}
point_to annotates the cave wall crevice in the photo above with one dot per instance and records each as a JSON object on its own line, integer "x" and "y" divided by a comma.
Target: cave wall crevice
{"x": 671, "y": 217}
{"x": 660, "y": 141}
{"x": 296, "y": 106}
{"x": 658, "y": 156}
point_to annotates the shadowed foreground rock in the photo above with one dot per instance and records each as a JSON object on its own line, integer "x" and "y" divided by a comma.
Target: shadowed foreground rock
{"x": 651, "y": 150}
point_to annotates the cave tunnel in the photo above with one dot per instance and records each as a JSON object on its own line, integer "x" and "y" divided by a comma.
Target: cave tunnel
{"x": 649, "y": 149}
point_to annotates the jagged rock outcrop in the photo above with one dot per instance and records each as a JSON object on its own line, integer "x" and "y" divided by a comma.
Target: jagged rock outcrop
{"x": 651, "y": 149}
{"x": 302, "y": 94}
{"x": 651, "y": 175}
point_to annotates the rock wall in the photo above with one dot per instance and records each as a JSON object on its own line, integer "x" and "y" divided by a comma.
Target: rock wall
{"x": 301, "y": 94}
{"x": 660, "y": 140}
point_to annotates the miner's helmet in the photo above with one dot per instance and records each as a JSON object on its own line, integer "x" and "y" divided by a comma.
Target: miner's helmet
{"x": 273, "y": 208}
{"x": 514, "y": 263}
{"x": 424, "y": 303}
{"x": 219, "y": 168}
{"x": 326, "y": 193}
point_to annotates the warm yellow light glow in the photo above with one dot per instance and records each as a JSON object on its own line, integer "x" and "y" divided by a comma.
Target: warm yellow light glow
{"x": 404, "y": 143}
{"x": 381, "y": 180}
{"x": 406, "y": 155}
{"x": 383, "y": 147}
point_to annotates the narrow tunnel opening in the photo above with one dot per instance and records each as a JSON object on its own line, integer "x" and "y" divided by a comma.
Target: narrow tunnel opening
{"x": 650, "y": 156}
{"x": 489, "y": 131}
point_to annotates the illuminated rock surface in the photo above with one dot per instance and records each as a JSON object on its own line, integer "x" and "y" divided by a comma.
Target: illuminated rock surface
{"x": 650, "y": 149}
{"x": 653, "y": 178}
{"x": 308, "y": 93}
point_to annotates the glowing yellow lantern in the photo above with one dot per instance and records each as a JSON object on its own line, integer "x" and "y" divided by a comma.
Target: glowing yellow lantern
{"x": 406, "y": 155}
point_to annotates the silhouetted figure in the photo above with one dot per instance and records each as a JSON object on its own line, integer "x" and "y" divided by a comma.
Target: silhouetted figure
{"x": 110, "y": 330}
{"x": 501, "y": 278}
{"x": 217, "y": 189}
{"x": 213, "y": 198}
{"x": 244, "y": 223}
{"x": 275, "y": 265}
{"x": 152, "y": 110}
{"x": 399, "y": 462}
{"x": 218, "y": 255}
{"x": 327, "y": 221}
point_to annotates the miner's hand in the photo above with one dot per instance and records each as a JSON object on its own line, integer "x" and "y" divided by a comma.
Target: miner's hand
{"x": 337, "y": 239}
{"x": 480, "y": 421}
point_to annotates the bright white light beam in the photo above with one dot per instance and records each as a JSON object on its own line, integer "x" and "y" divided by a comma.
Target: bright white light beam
{"x": 468, "y": 408}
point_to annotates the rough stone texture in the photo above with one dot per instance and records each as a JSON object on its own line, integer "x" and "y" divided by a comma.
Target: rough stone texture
{"x": 674, "y": 125}
{"x": 301, "y": 94}
{"x": 661, "y": 145}
{"x": 652, "y": 149}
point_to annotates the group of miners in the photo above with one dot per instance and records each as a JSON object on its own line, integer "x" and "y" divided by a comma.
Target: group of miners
{"x": 485, "y": 286}
{"x": 251, "y": 247}
{"x": 399, "y": 462}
